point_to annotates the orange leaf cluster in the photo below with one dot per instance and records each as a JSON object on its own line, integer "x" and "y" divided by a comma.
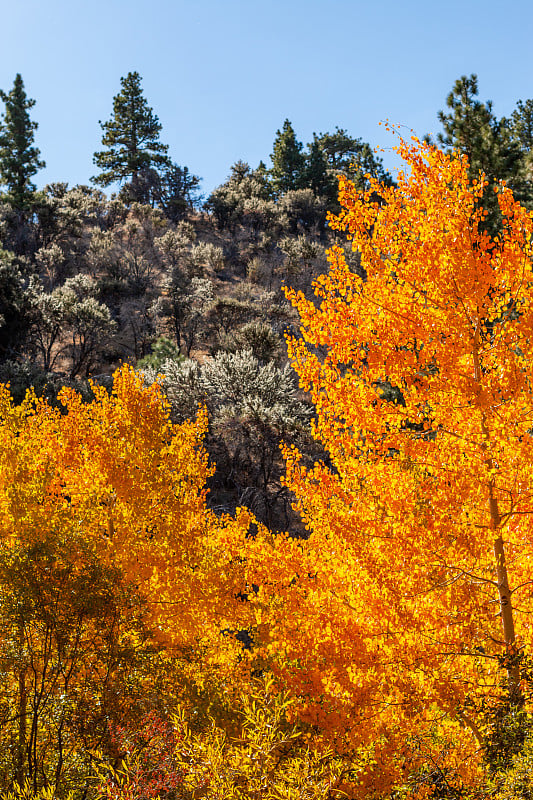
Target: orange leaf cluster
{"x": 116, "y": 476}
{"x": 416, "y": 580}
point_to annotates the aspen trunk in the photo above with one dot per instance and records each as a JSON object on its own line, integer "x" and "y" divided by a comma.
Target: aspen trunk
{"x": 504, "y": 594}
{"x": 506, "y": 614}
{"x": 22, "y": 711}
{"x": 502, "y": 579}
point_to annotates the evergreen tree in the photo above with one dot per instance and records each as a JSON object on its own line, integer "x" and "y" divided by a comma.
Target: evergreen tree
{"x": 318, "y": 176}
{"x": 177, "y": 192}
{"x": 131, "y": 137}
{"x": 15, "y": 304}
{"x": 174, "y": 190}
{"x": 288, "y": 161}
{"x": 262, "y": 174}
{"x": 520, "y": 131}
{"x": 471, "y": 127}
{"x": 19, "y": 159}
{"x": 521, "y": 125}
{"x": 350, "y": 156}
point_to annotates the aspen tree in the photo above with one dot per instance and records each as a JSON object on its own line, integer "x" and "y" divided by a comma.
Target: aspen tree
{"x": 414, "y": 586}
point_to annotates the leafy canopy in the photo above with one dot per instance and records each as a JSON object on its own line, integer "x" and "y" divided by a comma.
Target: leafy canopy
{"x": 393, "y": 620}
{"x": 117, "y": 473}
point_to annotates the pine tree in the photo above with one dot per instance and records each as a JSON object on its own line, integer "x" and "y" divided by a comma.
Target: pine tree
{"x": 521, "y": 125}
{"x": 318, "y": 176}
{"x": 471, "y": 127}
{"x": 519, "y": 128}
{"x": 131, "y": 137}
{"x": 19, "y": 159}
{"x": 288, "y": 161}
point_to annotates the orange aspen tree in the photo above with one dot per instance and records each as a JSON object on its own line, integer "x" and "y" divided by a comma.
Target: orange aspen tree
{"x": 117, "y": 475}
{"x": 138, "y": 481}
{"x": 395, "y": 618}
{"x": 106, "y": 544}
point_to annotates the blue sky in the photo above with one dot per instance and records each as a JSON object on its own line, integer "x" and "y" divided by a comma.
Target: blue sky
{"x": 222, "y": 75}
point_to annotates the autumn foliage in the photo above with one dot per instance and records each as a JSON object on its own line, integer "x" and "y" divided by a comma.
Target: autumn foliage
{"x": 392, "y": 644}
{"x": 108, "y": 553}
{"x": 405, "y": 616}
{"x": 267, "y": 755}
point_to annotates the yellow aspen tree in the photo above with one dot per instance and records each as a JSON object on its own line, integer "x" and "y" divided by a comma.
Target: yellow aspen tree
{"x": 412, "y": 596}
{"x": 139, "y": 484}
{"x": 106, "y": 543}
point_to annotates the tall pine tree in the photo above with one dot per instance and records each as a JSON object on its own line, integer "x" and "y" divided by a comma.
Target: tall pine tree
{"x": 19, "y": 159}
{"x": 471, "y": 127}
{"x": 288, "y": 161}
{"x": 131, "y": 137}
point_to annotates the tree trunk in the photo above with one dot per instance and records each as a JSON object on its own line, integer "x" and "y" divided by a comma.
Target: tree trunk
{"x": 502, "y": 579}
{"x": 22, "y": 710}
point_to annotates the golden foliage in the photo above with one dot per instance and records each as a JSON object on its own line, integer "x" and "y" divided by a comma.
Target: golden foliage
{"x": 269, "y": 757}
{"x": 394, "y": 618}
{"x": 118, "y": 476}
{"x": 105, "y": 538}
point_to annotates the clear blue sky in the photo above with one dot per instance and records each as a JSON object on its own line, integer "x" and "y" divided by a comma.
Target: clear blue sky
{"x": 222, "y": 75}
